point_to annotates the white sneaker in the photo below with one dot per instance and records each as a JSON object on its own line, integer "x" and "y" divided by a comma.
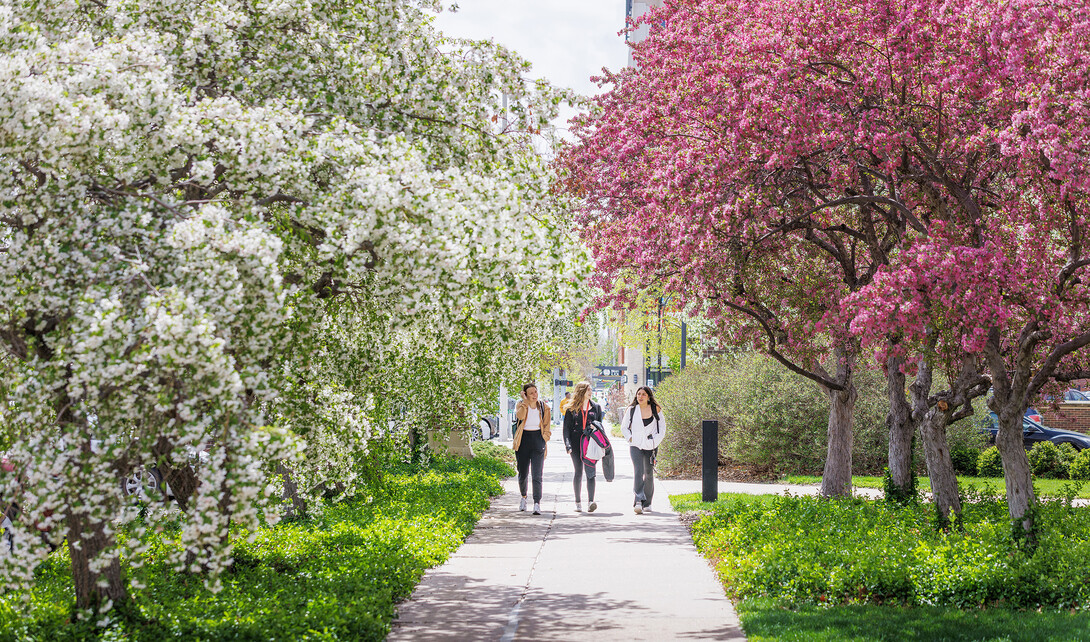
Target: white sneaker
{"x": 522, "y": 504}
{"x": 593, "y": 507}
{"x": 537, "y": 508}
{"x": 638, "y": 509}
{"x": 578, "y": 507}
{"x": 647, "y": 510}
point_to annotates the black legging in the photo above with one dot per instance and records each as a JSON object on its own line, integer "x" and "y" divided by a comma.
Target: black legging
{"x": 580, "y": 466}
{"x": 531, "y": 455}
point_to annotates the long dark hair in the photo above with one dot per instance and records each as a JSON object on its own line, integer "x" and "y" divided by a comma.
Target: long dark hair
{"x": 655, "y": 408}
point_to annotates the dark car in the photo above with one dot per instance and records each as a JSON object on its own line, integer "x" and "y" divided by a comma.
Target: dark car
{"x": 1034, "y": 432}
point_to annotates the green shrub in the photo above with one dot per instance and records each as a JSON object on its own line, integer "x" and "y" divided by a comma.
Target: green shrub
{"x": 1080, "y": 466}
{"x": 966, "y": 440}
{"x": 493, "y": 451}
{"x": 990, "y": 464}
{"x": 1046, "y": 460}
{"x": 768, "y": 417}
{"x": 689, "y": 397}
{"x": 1068, "y": 452}
{"x": 780, "y": 419}
{"x": 964, "y": 460}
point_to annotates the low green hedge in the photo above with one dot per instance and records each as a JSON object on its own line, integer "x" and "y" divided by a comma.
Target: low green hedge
{"x": 811, "y": 550}
{"x": 336, "y": 577}
{"x": 494, "y": 451}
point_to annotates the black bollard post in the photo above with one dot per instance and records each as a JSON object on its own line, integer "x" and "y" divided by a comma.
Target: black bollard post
{"x": 710, "y": 461}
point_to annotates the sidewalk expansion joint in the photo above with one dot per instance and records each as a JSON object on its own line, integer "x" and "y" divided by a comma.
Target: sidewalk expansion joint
{"x": 513, "y": 618}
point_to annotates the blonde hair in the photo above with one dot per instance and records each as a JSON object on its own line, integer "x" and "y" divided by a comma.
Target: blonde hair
{"x": 579, "y": 399}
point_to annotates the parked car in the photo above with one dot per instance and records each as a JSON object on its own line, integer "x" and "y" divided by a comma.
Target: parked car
{"x": 1076, "y": 395}
{"x": 1034, "y": 432}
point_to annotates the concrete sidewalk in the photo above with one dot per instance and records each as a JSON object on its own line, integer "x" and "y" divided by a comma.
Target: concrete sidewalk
{"x": 562, "y": 575}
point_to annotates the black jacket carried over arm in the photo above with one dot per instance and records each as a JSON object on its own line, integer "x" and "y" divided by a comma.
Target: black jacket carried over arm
{"x": 573, "y": 424}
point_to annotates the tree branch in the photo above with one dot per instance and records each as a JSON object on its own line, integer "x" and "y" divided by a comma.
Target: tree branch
{"x": 775, "y": 354}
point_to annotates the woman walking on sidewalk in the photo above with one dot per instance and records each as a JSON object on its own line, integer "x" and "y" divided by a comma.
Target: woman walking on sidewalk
{"x": 644, "y": 433}
{"x": 531, "y": 439}
{"x": 580, "y": 413}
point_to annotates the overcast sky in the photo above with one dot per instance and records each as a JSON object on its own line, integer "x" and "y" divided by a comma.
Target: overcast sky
{"x": 568, "y": 41}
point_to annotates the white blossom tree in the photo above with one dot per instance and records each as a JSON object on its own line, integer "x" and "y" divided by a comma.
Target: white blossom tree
{"x": 221, "y": 223}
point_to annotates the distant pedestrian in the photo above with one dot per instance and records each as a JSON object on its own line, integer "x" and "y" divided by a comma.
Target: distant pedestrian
{"x": 531, "y": 442}
{"x": 564, "y": 403}
{"x": 643, "y": 427}
{"x": 579, "y": 414}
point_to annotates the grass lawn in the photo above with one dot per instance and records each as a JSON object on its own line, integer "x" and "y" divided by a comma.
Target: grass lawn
{"x": 1045, "y": 487}
{"x": 769, "y": 620}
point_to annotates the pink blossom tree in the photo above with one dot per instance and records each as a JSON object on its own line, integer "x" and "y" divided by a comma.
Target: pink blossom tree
{"x": 770, "y": 158}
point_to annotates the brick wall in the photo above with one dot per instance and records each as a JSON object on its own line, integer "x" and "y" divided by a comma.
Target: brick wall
{"x": 1068, "y": 416}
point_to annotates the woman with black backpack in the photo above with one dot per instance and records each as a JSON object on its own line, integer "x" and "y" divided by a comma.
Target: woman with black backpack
{"x": 643, "y": 427}
{"x": 579, "y": 414}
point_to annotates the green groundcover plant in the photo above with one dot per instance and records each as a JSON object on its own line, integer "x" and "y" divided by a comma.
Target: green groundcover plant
{"x": 807, "y": 550}
{"x": 336, "y": 577}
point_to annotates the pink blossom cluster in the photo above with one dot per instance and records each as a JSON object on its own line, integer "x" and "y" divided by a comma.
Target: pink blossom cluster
{"x": 848, "y": 168}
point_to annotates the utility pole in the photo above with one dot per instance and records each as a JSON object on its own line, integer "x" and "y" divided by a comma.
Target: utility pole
{"x": 505, "y": 423}
{"x": 684, "y": 327}
{"x": 658, "y": 375}
{"x": 647, "y": 359}
{"x": 558, "y": 376}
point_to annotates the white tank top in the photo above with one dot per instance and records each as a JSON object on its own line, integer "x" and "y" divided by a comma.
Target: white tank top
{"x": 533, "y": 421}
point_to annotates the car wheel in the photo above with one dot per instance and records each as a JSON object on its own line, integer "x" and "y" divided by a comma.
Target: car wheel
{"x": 143, "y": 484}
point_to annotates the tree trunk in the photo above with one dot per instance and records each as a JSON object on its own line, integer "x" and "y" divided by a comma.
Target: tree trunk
{"x": 84, "y": 545}
{"x": 291, "y": 492}
{"x": 940, "y": 468}
{"x": 183, "y": 482}
{"x": 1009, "y": 400}
{"x": 1016, "y": 468}
{"x": 836, "y": 480}
{"x": 901, "y": 426}
{"x": 87, "y": 539}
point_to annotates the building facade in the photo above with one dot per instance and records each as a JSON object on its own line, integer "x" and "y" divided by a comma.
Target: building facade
{"x": 635, "y": 9}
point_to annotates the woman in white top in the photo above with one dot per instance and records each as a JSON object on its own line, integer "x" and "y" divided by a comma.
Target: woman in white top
{"x": 643, "y": 427}
{"x": 531, "y": 436}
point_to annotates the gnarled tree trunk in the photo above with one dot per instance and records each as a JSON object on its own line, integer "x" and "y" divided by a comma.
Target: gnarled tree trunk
{"x": 1016, "y": 468}
{"x": 940, "y": 467}
{"x": 901, "y": 425}
{"x": 1009, "y": 400}
{"x": 836, "y": 479}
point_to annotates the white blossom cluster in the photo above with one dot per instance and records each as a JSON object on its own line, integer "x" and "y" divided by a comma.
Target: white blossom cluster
{"x": 245, "y": 227}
